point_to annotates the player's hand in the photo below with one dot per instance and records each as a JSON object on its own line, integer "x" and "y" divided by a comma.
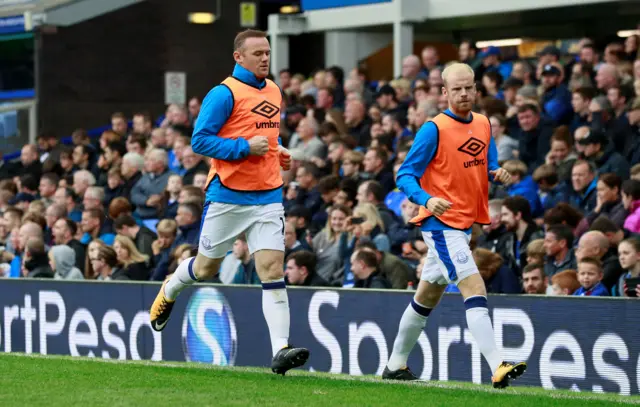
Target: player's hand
{"x": 438, "y": 206}
{"x": 501, "y": 175}
{"x": 285, "y": 158}
{"x": 258, "y": 145}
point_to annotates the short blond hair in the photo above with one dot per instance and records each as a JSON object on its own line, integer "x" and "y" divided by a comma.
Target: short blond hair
{"x": 456, "y": 68}
{"x": 515, "y": 167}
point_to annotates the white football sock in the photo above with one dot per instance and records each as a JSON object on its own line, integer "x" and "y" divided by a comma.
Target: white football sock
{"x": 275, "y": 306}
{"x": 183, "y": 277}
{"x": 482, "y": 330}
{"x": 412, "y": 323}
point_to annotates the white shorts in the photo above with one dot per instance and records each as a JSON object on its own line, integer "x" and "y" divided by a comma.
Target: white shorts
{"x": 449, "y": 259}
{"x": 222, "y": 223}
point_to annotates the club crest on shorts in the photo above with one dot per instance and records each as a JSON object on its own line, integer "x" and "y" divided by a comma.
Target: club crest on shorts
{"x": 206, "y": 243}
{"x": 461, "y": 257}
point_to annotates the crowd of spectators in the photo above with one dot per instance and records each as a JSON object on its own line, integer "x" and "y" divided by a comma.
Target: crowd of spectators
{"x": 128, "y": 204}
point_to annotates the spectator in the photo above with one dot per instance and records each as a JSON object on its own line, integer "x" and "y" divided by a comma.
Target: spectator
{"x": 64, "y": 232}
{"x": 523, "y": 185}
{"x": 373, "y": 192}
{"x": 584, "y": 182}
{"x": 629, "y": 252}
{"x": 188, "y": 220}
{"x": 300, "y": 269}
{"x": 53, "y": 213}
{"x": 82, "y": 180}
{"x": 558, "y": 245}
{"x": 580, "y": 101}
{"x": 352, "y": 164}
{"x": 29, "y": 162}
{"x": 357, "y": 121}
{"x": 565, "y": 283}
{"x": 146, "y": 194}
{"x": 534, "y": 281}
{"x": 135, "y": 264}
{"x": 47, "y": 187}
{"x": 93, "y": 198}
{"x": 556, "y": 100}
{"x": 161, "y": 247}
{"x": 246, "y": 273}
{"x": 535, "y": 252}
{"x": 142, "y": 236}
{"x": 67, "y": 198}
{"x": 325, "y": 246}
{"x": 515, "y": 215}
{"x": 631, "y": 202}
{"x": 535, "y": 136}
{"x": 605, "y": 159}
{"x": 370, "y": 226}
{"x": 132, "y": 165}
{"x": 589, "y": 277}
{"x": 595, "y": 245}
{"x": 171, "y": 196}
{"x": 36, "y": 263}
{"x": 608, "y": 201}
{"x": 561, "y": 155}
{"x": 551, "y": 191}
{"x": 391, "y": 267}
{"x": 308, "y": 194}
{"x": 193, "y": 163}
{"x": 499, "y": 279}
{"x": 507, "y": 145}
{"x": 291, "y": 242}
{"x": 364, "y": 265}
{"x": 307, "y": 142}
{"x": 93, "y": 226}
{"x": 375, "y": 164}
{"x": 27, "y": 231}
{"x": 62, "y": 260}
{"x": 104, "y": 262}
{"x": 328, "y": 187}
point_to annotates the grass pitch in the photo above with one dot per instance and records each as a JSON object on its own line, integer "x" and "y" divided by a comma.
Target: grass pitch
{"x": 33, "y": 380}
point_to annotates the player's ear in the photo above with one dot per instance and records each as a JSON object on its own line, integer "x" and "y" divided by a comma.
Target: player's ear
{"x": 237, "y": 56}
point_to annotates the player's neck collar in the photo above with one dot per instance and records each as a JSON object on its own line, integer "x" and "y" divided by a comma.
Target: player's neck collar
{"x": 449, "y": 113}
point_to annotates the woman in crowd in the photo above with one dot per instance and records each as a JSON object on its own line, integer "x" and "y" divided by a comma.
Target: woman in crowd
{"x": 105, "y": 263}
{"x": 92, "y": 251}
{"x": 629, "y": 256}
{"x": 609, "y": 203}
{"x": 135, "y": 264}
{"x": 325, "y": 246}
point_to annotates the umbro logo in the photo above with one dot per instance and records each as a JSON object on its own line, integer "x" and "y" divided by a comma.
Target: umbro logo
{"x": 473, "y": 147}
{"x": 266, "y": 109}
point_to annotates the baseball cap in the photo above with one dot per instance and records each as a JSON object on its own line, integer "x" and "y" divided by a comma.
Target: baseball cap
{"x": 551, "y": 70}
{"x": 490, "y": 51}
{"x": 593, "y": 137}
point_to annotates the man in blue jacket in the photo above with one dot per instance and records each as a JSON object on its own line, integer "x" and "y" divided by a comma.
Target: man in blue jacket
{"x": 556, "y": 100}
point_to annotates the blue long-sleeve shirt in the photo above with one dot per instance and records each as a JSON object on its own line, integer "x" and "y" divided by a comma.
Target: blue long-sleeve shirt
{"x": 422, "y": 152}
{"x": 216, "y": 110}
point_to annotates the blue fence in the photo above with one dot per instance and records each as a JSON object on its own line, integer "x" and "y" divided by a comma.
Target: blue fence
{"x": 584, "y": 344}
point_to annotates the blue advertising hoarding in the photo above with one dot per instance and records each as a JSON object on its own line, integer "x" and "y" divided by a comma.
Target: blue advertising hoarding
{"x": 12, "y": 25}
{"x": 308, "y": 5}
{"x": 583, "y": 344}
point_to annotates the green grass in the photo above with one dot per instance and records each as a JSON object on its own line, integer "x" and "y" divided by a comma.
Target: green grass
{"x": 64, "y": 381}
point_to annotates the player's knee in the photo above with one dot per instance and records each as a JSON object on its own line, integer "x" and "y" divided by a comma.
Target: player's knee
{"x": 472, "y": 285}
{"x": 205, "y": 267}
{"x": 428, "y": 294}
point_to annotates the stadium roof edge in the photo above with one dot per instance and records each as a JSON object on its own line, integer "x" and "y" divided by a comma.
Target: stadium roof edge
{"x": 405, "y": 11}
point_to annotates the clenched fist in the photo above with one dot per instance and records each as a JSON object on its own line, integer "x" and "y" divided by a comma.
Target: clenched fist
{"x": 258, "y": 145}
